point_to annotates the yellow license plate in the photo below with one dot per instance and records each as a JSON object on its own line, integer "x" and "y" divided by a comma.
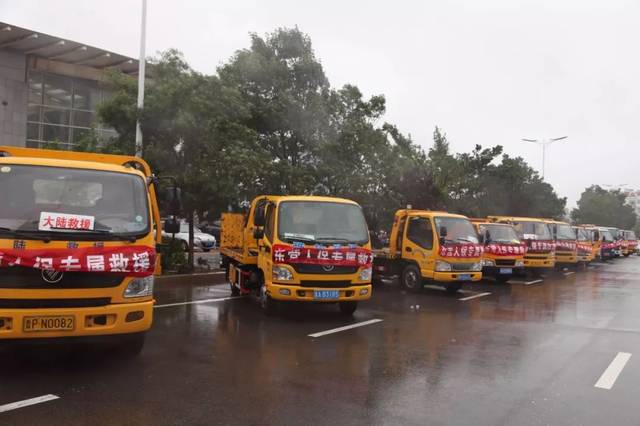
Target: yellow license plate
{"x": 57, "y": 323}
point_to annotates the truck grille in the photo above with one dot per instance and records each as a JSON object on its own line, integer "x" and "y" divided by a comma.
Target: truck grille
{"x": 29, "y": 278}
{"x": 325, "y": 284}
{"x": 505, "y": 262}
{"x": 303, "y": 268}
{"x": 462, "y": 266}
{"x": 53, "y": 303}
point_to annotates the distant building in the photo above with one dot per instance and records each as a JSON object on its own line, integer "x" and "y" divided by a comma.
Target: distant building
{"x": 49, "y": 89}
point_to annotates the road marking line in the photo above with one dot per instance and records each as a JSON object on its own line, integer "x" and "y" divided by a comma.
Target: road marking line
{"x": 346, "y": 327}
{"x": 27, "y": 402}
{"x": 475, "y": 296}
{"x": 610, "y": 375}
{"x": 197, "y": 302}
{"x": 566, "y": 274}
{"x": 533, "y": 282}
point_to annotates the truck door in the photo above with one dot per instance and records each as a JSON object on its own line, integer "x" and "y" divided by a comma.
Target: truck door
{"x": 265, "y": 260}
{"x": 418, "y": 244}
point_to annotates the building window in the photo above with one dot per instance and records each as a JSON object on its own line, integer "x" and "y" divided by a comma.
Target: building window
{"x": 62, "y": 110}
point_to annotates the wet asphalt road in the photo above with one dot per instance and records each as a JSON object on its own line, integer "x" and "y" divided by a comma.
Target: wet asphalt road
{"x": 521, "y": 355}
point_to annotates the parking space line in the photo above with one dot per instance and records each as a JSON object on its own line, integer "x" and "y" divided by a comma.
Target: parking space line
{"x": 610, "y": 375}
{"x": 27, "y": 402}
{"x": 197, "y": 302}
{"x": 346, "y": 327}
{"x": 475, "y": 296}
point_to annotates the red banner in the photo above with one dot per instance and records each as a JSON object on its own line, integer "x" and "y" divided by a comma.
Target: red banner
{"x": 336, "y": 256}
{"x": 565, "y": 245}
{"x": 136, "y": 261}
{"x": 583, "y": 249}
{"x": 540, "y": 246}
{"x": 461, "y": 250}
{"x": 608, "y": 246}
{"x": 505, "y": 249}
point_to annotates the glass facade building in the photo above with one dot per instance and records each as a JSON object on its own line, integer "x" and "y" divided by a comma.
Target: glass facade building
{"x": 62, "y": 109}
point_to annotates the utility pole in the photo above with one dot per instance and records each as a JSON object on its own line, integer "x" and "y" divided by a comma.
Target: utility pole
{"x": 141, "y": 75}
{"x": 544, "y": 143}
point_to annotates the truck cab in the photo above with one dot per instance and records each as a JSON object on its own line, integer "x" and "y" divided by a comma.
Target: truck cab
{"x": 503, "y": 255}
{"x": 298, "y": 249}
{"x": 430, "y": 246}
{"x": 566, "y": 244}
{"x": 78, "y": 235}
{"x": 585, "y": 249}
{"x": 608, "y": 244}
{"x": 537, "y": 236}
{"x": 629, "y": 242}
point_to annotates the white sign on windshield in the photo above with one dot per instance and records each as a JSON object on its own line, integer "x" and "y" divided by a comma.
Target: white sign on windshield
{"x": 64, "y": 221}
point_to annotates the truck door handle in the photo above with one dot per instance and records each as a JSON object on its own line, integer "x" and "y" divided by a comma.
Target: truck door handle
{"x": 408, "y": 249}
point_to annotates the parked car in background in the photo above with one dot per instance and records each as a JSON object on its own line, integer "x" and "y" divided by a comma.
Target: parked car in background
{"x": 212, "y": 228}
{"x": 201, "y": 240}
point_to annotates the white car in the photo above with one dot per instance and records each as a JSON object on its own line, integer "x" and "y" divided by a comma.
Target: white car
{"x": 202, "y": 241}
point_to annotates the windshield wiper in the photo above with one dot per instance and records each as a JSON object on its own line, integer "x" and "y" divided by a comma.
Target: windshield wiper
{"x": 332, "y": 240}
{"x": 302, "y": 239}
{"x": 46, "y": 236}
{"x": 464, "y": 239}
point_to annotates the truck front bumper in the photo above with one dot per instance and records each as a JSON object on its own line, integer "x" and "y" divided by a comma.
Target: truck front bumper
{"x": 463, "y": 276}
{"x": 545, "y": 263}
{"x": 122, "y": 318}
{"x": 297, "y": 293}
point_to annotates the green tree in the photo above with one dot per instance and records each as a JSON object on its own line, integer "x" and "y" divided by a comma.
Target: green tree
{"x": 604, "y": 208}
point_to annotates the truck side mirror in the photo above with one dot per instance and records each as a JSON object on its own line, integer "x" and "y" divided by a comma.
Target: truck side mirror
{"x": 174, "y": 200}
{"x": 443, "y": 234}
{"x": 171, "y": 226}
{"x": 487, "y": 237}
{"x": 259, "y": 215}
{"x": 258, "y": 233}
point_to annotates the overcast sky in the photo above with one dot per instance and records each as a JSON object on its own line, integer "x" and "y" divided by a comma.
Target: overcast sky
{"x": 486, "y": 72}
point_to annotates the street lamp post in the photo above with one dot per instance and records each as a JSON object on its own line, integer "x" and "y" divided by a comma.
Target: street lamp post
{"x": 544, "y": 143}
{"x": 141, "y": 75}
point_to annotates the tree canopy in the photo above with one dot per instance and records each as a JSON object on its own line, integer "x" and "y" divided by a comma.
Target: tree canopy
{"x": 270, "y": 122}
{"x": 604, "y": 207}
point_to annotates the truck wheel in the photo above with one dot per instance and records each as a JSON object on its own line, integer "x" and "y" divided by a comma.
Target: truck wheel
{"x": 348, "y": 308}
{"x": 267, "y": 303}
{"x": 453, "y": 288}
{"x": 235, "y": 291}
{"x": 411, "y": 278}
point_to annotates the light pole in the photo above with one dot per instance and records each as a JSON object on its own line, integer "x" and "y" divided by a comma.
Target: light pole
{"x": 141, "y": 75}
{"x": 544, "y": 143}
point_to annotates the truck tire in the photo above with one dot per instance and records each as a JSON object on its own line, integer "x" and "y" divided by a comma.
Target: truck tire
{"x": 348, "y": 308}
{"x": 503, "y": 279}
{"x": 235, "y": 291}
{"x": 453, "y": 287}
{"x": 411, "y": 278}
{"x": 267, "y": 303}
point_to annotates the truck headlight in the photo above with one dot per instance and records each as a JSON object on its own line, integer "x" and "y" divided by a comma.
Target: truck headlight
{"x": 488, "y": 262}
{"x": 476, "y": 266}
{"x": 519, "y": 263}
{"x": 140, "y": 287}
{"x": 280, "y": 273}
{"x": 442, "y": 266}
{"x": 365, "y": 274}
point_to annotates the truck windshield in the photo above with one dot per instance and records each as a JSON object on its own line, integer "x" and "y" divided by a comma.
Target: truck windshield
{"x": 116, "y": 203}
{"x": 533, "y": 230}
{"x": 607, "y": 236}
{"x": 458, "y": 229}
{"x": 583, "y": 234}
{"x": 322, "y": 222}
{"x": 501, "y": 234}
{"x": 565, "y": 232}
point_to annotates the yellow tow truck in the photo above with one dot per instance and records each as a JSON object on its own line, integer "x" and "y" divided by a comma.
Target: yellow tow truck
{"x": 566, "y": 244}
{"x": 430, "y": 246}
{"x": 298, "y": 249}
{"x": 538, "y": 238}
{"x": 78, "y": 235}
